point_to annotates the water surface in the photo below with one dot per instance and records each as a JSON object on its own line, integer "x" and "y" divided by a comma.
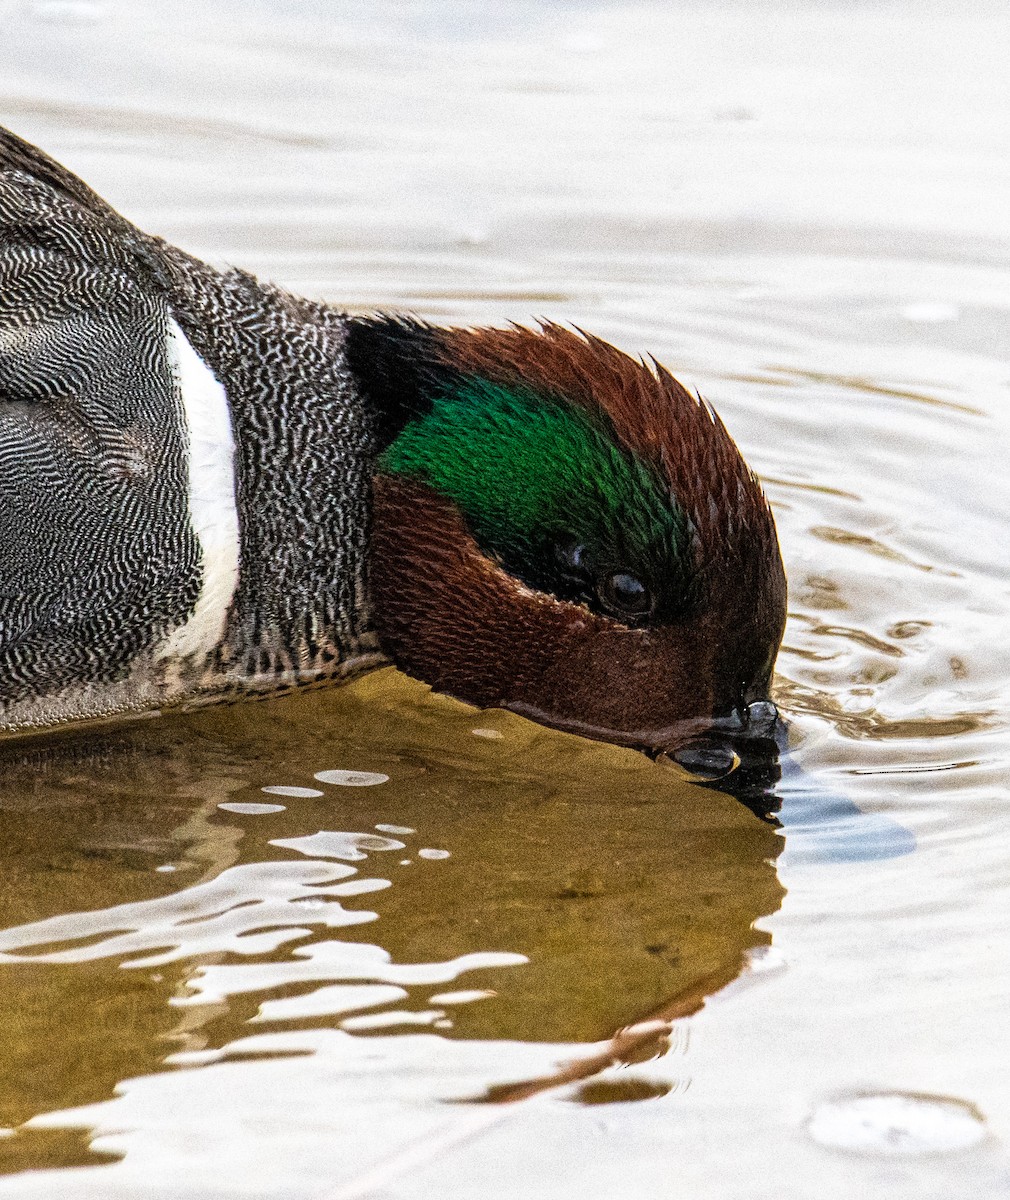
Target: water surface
{"x": 225, "y": 977}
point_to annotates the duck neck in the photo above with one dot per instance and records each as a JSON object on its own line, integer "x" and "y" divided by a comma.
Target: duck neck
{"x": 304, "y": 446}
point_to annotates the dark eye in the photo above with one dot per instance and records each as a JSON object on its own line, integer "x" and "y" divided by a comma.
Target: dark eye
{"x": 625, "y": 595}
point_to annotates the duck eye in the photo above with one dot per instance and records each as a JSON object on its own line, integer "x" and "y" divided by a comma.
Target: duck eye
{"x": 625, "y": 595}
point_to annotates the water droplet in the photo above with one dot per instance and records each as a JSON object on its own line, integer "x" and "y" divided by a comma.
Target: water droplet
{"x": 895, "y": 1124}
{"x": 250, "y": 809}
{"x": 296, "y": 793}
{"x": 433, "y": 853}
{"x": 351, "y": 778}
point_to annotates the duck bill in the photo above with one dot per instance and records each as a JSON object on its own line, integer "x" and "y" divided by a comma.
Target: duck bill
{"x": 741, "y": 759}
{"x": 739, "y": 754}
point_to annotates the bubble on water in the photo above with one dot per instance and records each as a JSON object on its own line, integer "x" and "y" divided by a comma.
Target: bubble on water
{"x": 897, "y": 1124}
{"x": 351, "y": 778}
{"x": 431, "y": 854}
{"x": 295, "y": 793}
{"x": 249, "y": 808}
{"x": 395, "y": 829}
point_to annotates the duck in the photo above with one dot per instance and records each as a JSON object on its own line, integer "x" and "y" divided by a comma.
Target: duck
{"x": 212, "y": 489}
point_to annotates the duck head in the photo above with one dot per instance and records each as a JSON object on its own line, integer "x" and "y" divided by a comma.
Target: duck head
{"x": 565, "y": 532}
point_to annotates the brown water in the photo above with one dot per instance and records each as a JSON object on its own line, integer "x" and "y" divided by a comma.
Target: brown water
{"x": 215, "y": 990}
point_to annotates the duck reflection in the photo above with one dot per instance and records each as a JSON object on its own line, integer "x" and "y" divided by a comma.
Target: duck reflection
{"x": 762, "y": 772}
{"x": 505, "y": 883}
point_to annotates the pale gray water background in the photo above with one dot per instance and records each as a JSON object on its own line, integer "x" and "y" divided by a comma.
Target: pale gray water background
{"x": 802, "y": 209}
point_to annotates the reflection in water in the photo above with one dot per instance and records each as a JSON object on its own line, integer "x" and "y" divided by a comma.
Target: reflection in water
{"x": 561, "y": 889}
{"x": 822, "y": 825}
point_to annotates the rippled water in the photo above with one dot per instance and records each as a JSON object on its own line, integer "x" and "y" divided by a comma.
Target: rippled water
{"x": 239, "y": 962}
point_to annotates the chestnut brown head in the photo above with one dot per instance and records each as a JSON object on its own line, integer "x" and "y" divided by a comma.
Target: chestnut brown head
{"x": 565, "y": 532}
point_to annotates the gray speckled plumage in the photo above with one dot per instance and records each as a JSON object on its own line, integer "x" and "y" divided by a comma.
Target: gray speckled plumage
{"x": 304, "y": 446}
{"x": 100, "y": 561}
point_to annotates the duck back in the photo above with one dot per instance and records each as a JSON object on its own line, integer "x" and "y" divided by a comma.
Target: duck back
{"x": 184, "y": 466}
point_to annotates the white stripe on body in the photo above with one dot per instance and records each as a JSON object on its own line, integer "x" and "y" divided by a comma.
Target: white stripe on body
{"x": 212, "y": 507}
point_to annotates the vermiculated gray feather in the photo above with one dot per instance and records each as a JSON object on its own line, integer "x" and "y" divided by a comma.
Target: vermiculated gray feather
{"x": 99, "y": 561}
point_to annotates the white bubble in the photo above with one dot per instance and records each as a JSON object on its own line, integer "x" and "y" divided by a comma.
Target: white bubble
{"x": 351, "y": 778}
{"x": 165, "y": 868}
{"x": 896, "y": 1124}
{"x": 395, "y": 829}
{"x": 296, "y": 793}
{"x": 250, "y": 809}
{"x": 433, "y": 853}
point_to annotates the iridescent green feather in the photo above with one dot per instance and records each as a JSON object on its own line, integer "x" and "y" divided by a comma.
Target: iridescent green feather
{"x": 530, "y": 473}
